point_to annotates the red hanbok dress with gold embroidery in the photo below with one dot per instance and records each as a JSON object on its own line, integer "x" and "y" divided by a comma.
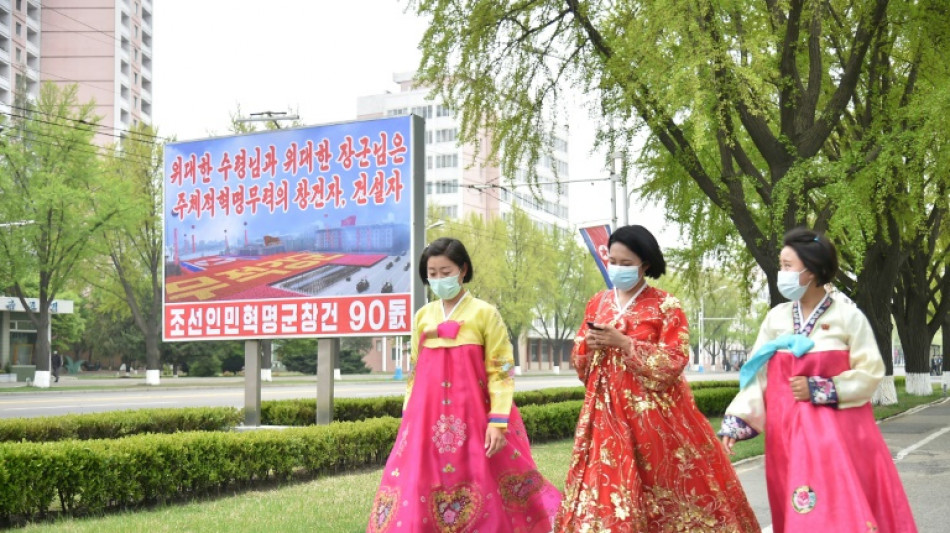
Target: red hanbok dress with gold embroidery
{"x": 438, "y": 478}
{"x": 645, "y": 459}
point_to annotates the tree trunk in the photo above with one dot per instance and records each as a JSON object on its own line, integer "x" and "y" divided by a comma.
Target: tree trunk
{"x": 42, "y": 350}
{"x": 872, "y": 293}
{"x": 153, "y": 354}
{"x": 945, "y": 367}
{"x": 515, "y": 351}
{"x": 267, "y": 360}
{"x": 911, "y": 309}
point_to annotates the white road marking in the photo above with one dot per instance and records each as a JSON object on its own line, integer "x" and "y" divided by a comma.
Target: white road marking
{"x": 908, "y": 450}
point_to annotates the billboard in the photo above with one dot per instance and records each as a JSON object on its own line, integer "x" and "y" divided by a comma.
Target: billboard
{"x": 305, "y": 232}
{"x": 596, "y": 238}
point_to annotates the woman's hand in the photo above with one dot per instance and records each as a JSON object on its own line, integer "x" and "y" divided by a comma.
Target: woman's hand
{"x": 494, "y": 440}
{"x": 728, "y": 442}
{"x": 606, "y": 337}
{"x": 800, "y": 391}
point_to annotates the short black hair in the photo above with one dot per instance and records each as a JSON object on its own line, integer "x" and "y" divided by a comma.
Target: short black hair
{"x": 451, "y": 248}
{"x": 641, "y": 242}
{"x": 817, "y": 253}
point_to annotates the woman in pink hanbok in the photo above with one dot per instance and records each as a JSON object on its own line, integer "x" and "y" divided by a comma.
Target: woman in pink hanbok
{"x": 461, "y": 461}
{"x": 808, "y": 385}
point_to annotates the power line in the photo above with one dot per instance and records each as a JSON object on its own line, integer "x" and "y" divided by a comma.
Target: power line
{"x": 93, "y": 124}
{"x": 89, "y": 130}
{"x": 112, "y": 38}
{"x": 78, "y": 148}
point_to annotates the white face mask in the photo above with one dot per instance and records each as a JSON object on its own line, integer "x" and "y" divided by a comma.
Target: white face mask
{"x": 789, "y": 286}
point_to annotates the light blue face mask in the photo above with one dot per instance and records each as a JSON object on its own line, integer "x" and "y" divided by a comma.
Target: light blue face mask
{"x": 623, "y": 277}
{"x": 789, "y": 286}
{"x": 445, "y": 288}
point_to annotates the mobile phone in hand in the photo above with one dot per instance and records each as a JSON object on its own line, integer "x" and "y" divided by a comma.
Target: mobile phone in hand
{"x": 591, "y": 325}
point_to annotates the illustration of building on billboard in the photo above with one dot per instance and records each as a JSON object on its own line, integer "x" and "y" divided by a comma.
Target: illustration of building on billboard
{"x": 289, "y": 233}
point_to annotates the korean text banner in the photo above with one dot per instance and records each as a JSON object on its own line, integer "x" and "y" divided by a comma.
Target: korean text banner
{"x": 597, "y": 238}
{"x": 290, "y": 233}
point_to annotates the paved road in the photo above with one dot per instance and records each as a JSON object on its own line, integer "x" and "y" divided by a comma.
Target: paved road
{"x": 919, "y": 441}
{"x": 217, "y": 392}
{"x": 52, "y": 402}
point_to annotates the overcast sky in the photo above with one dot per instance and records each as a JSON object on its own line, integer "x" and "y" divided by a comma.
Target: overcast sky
{"x": 315, "y": 57}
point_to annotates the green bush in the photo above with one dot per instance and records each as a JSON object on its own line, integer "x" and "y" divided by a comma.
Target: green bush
{"x": 205, "y": 367}
{"x": 92, "y": 476}
{"x": 712, "y": 402}
{"x": 696, "y": 385}
{"x": 552, "y": 421}
{"x": 118, "y": 424}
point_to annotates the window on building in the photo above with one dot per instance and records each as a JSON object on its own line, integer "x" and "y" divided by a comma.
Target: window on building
{"x": 396, "y": 112}
{"x": 423, "y": 111}
{"x": 443, "y": 187}
{"x": 447, "y": 135}
{"x": 135, "y": 32}
{"x": 443, "y": 111}
{"x": 135, "y": 78}
{"x": 447, "y": 161}
{"x": 135, "y": 102}
{"x": 19, "y": 28}
{"x": 19, "y": 55}
{"x": 135, "y": 55}
{"x": 428, "y": 137}
{"x": 19, "y": 7}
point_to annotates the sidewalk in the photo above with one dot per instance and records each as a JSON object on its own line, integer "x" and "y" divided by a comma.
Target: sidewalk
{"x": 919, "y": 441}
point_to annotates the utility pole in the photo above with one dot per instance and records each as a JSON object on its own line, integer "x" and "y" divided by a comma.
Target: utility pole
{"x": 268, "y": 116}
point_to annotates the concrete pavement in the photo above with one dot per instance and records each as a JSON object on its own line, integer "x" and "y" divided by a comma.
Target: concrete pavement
{"x": 919, "y": 441}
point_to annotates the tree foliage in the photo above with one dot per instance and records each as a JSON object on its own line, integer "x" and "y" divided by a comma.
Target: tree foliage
{"x": 759, "y": 116}
{"x": 50, "y": 175}
{"x": 132, "y": 273}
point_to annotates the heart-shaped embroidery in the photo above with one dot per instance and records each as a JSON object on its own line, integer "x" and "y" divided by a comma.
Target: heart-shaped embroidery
{"x": 516, "y": 489}
{"x": 384, "y": 508}
{"x": 454, "y": 510}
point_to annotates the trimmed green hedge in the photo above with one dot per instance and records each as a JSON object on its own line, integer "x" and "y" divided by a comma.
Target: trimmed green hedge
{"x": 90, "y": 476}
{"x": 302, "y": 412}
{"x": 116, "y": 424}
{"x": 296, "y": 412}
{"x": 82, "y": 477}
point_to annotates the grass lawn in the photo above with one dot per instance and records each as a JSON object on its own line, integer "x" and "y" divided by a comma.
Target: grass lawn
{"x": 333, "y": 504}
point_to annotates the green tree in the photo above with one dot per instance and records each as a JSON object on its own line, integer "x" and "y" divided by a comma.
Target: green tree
{"x": 134, "y": 247}
{"x": 761, "y": 116}
{"x": 49, "y": 173}
{"x": 68, "y": 329}
{"x": 298, "y": 355}
{"x": 568, "y": 278}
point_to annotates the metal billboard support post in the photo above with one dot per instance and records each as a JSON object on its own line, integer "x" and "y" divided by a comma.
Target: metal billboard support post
{"x": 252, "y": 383}
{"x": 328, "y": 351}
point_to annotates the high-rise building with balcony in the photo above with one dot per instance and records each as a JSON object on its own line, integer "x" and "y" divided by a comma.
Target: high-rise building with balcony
{"x": 102, "y": 46}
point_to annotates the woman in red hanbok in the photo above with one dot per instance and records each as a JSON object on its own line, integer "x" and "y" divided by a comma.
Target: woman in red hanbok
{"x": 808, "y": 384}
{"x": 461, "y": 462}
{"x": 645, "y": 459}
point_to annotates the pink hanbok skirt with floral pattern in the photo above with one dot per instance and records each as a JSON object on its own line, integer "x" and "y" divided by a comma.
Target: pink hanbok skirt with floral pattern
{"x": 438, "y": 478}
